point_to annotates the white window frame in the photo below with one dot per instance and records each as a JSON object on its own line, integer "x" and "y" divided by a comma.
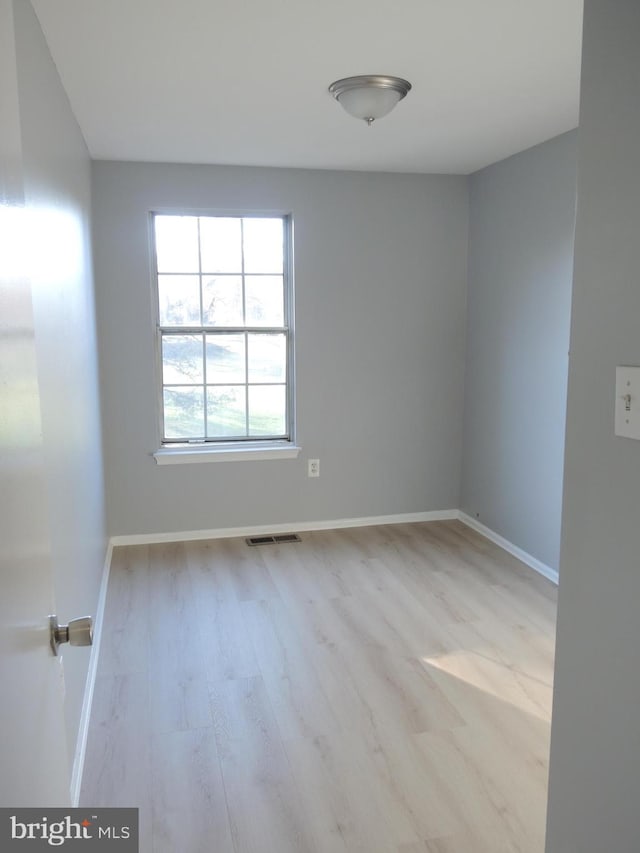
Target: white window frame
{"x": 243, "y": 448}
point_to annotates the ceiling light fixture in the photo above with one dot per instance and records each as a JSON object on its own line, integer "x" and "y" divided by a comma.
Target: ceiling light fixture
{"x": 369, "y": 96}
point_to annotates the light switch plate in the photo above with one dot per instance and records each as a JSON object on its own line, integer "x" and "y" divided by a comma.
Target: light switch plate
{"x": 628, "y": 402}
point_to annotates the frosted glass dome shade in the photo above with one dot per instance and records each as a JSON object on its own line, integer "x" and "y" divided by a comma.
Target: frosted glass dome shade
{"x": 370, "y": 96}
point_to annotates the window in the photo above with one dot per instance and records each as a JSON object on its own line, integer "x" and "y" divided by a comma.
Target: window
{"x": 224, "y": 331}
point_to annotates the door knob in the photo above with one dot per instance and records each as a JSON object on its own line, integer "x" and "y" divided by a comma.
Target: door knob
{"x": 79, "y": 632}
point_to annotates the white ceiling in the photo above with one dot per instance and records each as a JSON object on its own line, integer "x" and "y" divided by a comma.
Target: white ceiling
{"x": 245, "y": 81}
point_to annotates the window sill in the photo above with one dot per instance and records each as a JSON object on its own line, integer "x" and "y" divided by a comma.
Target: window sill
{"x": 184, "y": 454}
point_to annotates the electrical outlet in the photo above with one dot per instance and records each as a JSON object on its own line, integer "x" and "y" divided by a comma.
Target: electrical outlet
{"x": 313, "y": 468}
{"x": 627, "y": 418}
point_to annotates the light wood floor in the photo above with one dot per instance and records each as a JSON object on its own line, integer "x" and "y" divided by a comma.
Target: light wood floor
{"x": 379, "y": 690}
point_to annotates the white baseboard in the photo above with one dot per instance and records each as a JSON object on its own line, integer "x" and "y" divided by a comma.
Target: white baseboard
{"x": 527, "y": 559}
{"x": 85, "y": 716}
{"x": 335, "y": 524}
{"x": 272, "y": 529}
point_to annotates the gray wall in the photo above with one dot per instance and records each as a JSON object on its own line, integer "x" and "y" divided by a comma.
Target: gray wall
{"x": 521, "y": 229}
{"x": 57, "y": 183}
{"x": 380, "y": 286}
{"x": 595, "y": 740}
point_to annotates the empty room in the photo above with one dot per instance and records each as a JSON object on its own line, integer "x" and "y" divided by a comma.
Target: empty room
{"x": 319, "y": 399}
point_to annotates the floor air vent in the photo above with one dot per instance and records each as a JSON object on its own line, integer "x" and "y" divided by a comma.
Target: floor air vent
{"x": 273, "y": 540}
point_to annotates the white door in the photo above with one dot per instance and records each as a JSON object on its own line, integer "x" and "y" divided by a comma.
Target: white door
{"x": 33, "y": 762}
